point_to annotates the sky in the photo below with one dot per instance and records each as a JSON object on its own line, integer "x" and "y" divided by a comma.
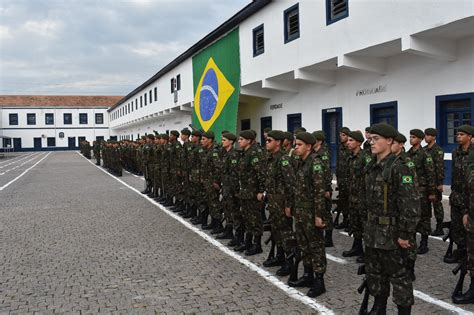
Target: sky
{"x": 98, "y": 47}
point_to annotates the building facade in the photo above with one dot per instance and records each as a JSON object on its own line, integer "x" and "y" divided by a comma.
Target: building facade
{"x": 34, "y": 123}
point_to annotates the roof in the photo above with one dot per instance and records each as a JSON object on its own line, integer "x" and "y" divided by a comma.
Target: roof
{"x": 220, "y": 31}
{"x": 57, "y": 101}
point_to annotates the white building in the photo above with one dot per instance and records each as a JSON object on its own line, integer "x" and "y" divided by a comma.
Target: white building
{"x": 33, "y": 123}
{"x": 324, "y": 64}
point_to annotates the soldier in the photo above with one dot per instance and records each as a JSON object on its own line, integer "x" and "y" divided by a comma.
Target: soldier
{"x": 343, "y": 154}
{"x": 230, "y": 190}
{"x": 174, "y": 181}
{"x": 185, "y": 170}
{"x": 456, "y": 198}
{"x": 468, "y": 222}
{"x": 279, "y": 181}
{"x": 425, "y": 173}
{"x": 288, "y": 143}
{"x": 393, "y": 212}
{"x": 165, "y": 171}
{"x": 197, "y": 201}
{"x": 366, "y": 145}
{"x": 97, "y": 148}
{"x": 310, "y": 210}
{"x": 146, "y": 152}
{"x": 356, "y": 185}
{"x": 437, "y": 154}
{"x": 87, "y": 149}
{"x": 252, "y": 186}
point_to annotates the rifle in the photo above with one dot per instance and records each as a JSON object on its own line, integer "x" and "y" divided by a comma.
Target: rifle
{"x": 461, "y": 268}
{"x": 337, "y": 212}
{"x": 449, "y": 251}
{"x": 363, "y": 288}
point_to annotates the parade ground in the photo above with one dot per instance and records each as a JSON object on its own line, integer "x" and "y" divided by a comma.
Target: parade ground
{"x": 74, "y": 239}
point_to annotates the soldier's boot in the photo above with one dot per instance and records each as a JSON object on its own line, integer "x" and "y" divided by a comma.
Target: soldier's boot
{"x": 361, "y": 259}
{"x": 438, "y": 231}
{"x": 205, "y": 225}
{"x": 238, "y": 238}
{"x": 404, "y": 310}
{"x": 218, "y": 228}
{"x": 176, "y": 207}
{"x": 168, "y": 201}
{"x": 380, "y": 306}
{"x": 198, "y": 217}
{"x": 306, "y": 280}
{"x": 344, "y": 224}
{"x": 423, "y": 248}
{"x": 277, "y": 260}
{"x": 256, "y": 247}
{"x": 184, "y": 209}
{"x": 356, "y": 249}
{"x": 191, "y": 213}
{"x": 227, "y": 234}
{"x": 467, "y": 297}
{"x": 328, "y": 238}
{"x": 456, "y": 256}
{"x": 286, "y": 268}
{"x": 318, "y": 287}
{"x": 246, "y": 244}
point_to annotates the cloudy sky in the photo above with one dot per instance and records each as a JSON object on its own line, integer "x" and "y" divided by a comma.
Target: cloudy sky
{"x": 101, "y": 47}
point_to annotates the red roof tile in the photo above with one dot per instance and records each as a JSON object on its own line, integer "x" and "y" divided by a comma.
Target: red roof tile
{"x": 57, "y": 101}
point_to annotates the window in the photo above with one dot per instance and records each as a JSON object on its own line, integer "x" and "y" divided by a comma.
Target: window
{"x": 49, "y": 119}
{"x": 150, "y": 94}
{"x": 141, "y": 101}
{"x": 293, "y": 121}
{"x": 51, "y": 142}
{"x": 292, "y": 23}
{"x": 31, "y": 119}
{"x": 245, "y": 124}
{"x": 384, "y": 113}
{"x": 67, "y": 119}
{"x": 336, "y": 10}
{"x": 83, "y": 118}
{"x": 99, "y": 138}
{"x": 145, "y": 97}
{"x": 99, "y": 118}
{"x": 129, "y": 107}
{"x": 178, "y": 82}
{"x": 136, "y": 103}
{"x": 258, "y": 43}
{"x": 155, "y": 90}
{"x": 172, "y": 85}
{"x": 13, "y": 119}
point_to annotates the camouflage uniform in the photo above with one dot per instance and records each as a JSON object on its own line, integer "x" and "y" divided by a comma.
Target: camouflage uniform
{"x": 252, "y": 182}
{"x": 470, "y": 211}
{"x": 457, "y": 199}
{"x": 425, "y": 173}
{"x": 175, "y": 178}
{"x": 325, "y": 156}
{"x": 196, "y": 189}
{"x": 230, "y": 187}
{"x": 146, "y": 152}
{"x": 185, "y": 159}
{"x": 165, "y": 170}
{"x": 392, "y": 204}
{"x": 96, "y": 149}
{"x": 279, "y": 181}
{"x": 209, "y": 176}
{"x": 343, "y": 154}
{"x": 437, "y": 154}
{"x": 310, "y": 203}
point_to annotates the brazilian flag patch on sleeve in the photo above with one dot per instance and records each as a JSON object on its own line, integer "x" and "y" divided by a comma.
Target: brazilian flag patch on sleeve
{"x": 233, "y": 161}
{"x": 285, "y": 163}
{"x": 429, "y": 159}
{"x": 317, "y": 168}
{"x": 324, "y": 158}
{"x": 254, "y": 160}
{"x": 407, "y": 179}
{"x": 410, "y": 164}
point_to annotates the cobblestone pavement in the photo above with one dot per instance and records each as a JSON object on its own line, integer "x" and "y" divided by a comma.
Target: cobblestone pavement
{"x": 75, "y": 240}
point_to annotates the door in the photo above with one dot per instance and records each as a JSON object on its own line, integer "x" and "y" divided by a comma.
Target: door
{"x": 265, "y": 122}
{"x": 71, "y": 142}
{"x": 17, "y": 144}
{"x": 37, "y": 144}
{"x": 293, "y": 122}
{"x": 332, "y": 123}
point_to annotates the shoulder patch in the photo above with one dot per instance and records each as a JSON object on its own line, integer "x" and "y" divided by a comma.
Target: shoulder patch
{"x": 285, "y": 163}
{"x": 317, "y": 168}
{"x": 429, "y": 159}
{"x": 368, "y": 160}
{"x": 254, "y": 160}
{"x": 408, "y": 179}
{"x": 200, "y": 150}
{"x": 324, "y": 157}
{"x": 233, "y": 161}
{"x": 410, "y": 164}
{"x": 440, "y": 152}
{"x": 215, "y": 154}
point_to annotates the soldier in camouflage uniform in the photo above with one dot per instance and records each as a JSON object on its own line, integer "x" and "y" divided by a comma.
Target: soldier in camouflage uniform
{"x": 167, "y": 199}
{"x": 252, "y": 186}
{"x": 96, "y": 148}
{"x": 146, "y": 152}
{"x": 154, "y": 165}
{"x": 437, "y": 154}
{"x": 457, "y": 198}
{"x": 392, "y": 203}
{"x": 425, "y": 173}
{"x": 468, "y": 222}
{"x": 357, "y": 163}
{"x": 279, "y": 181}
{"x": 343, "y": 154}
{"x": 309, "y": 210}
{"x": 230, "y": 191}
{"x": 174, "y": 181}
{"x": 87, "y": 149}
{"x": 185, "y": 169}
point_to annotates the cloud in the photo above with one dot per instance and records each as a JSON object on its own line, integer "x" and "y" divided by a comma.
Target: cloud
{"x": 47, "y": 28}
{"x": 5, "y": 33}
{"x": 148, "y": 49}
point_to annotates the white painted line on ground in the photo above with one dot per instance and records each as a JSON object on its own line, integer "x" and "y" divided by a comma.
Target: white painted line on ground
{"x": 24, "y": 172}
{"x": 293, "y": 293}
{"x": 14, "y": 168}
{"x": 22, "y": 158}
{"x": 427, "y": 298}
{"x": 141, "y": 177}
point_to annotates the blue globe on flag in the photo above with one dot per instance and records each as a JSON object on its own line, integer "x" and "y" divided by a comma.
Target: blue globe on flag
{"x": 209, "y": 95}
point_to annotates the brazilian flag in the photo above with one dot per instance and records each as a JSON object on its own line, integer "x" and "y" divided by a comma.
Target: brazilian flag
{"x": 216, "y": 79}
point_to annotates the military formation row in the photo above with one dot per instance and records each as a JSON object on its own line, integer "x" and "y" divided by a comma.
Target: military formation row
{"x": 385, "y": 196}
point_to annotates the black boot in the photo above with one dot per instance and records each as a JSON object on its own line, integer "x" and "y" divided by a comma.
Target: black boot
{"x": 466, "y": 298}
{"x": 218, "y": 228}
{"x": 328, "y": 238}
{"x": 423, "y": 249}
{"x": 361, "y": 259}
{"x": 278, "y": 260}
{"x": 168, "y": 202}
{"x": 318, "y": 287}
{"x": 206, "y": 226}
{"x": 238, "y": 238}
{"x": 245, "y": 245}
{"x": 356, "y": 250}
{"x": 404, "y": 310}
{"x": 456, "y": 256}
{"x": 438, "y": 231}
{"x": 190, "y": 212}
{"x": 380, "y": 306}
{"x": 227, "y": 234}
{"x": 176, "y": 207}
{"x": 256, "y": 247}
{"x": 306, "y": 280}
{"x": 286, "y": 268}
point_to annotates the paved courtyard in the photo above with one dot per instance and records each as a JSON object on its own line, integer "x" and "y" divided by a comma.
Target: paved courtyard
{"x": 74, "y": 239}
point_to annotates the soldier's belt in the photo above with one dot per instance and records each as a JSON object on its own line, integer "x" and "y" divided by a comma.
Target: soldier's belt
{"x": 304, "y": 204}
{"x": 383, "y": 220}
